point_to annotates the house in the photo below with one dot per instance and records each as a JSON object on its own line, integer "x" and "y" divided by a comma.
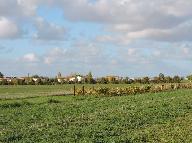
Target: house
{"x": 72, "y": 78}
{"x": 75, "y": 78}
{"x": 23, "y": 78}
{"x": 112, "y": 78}
{"x": 61, "y": 79}
{"x": 35, "y": 79}
{"x": 9, "y": 79}
{"x": 79, "y": 78}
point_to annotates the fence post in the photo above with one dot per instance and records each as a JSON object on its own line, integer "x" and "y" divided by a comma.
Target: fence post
{"x": 83, "y": 90}
{"x": 74, "y": 90}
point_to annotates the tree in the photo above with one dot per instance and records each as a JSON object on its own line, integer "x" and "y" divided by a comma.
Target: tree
{"x": 15, "y": 81}
{"x": 189, "y": 77}
{"x": 1, "y": 75}
{"x": 137, "y": 80}
{"x": 35, "y": 76}
{"x": 168, "y": 79}
{"x": 90, "y": 78}
{"x": 177, "y": 79}
{"x": 161, "y": 77}
{"x": 145, "y": 80}
{"x": 38, "y": 81}
{"x": 29, "y": 81}
{"x": 125, "y": 80}
{"x": 102, "y": 80}
{"x": 3, "y": 82}
{"x": 44, "y": 80}
{"x": 155, "y": 80}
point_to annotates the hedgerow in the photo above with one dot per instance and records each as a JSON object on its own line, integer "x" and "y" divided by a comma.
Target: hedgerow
{"x": 132, "y": 90}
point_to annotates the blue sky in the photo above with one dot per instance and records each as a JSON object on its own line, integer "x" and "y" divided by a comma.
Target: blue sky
{"x": 125, "y": 37}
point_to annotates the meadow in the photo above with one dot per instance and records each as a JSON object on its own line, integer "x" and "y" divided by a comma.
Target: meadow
{"x": 32, "y": 114}
{"x": 30, "y": 91}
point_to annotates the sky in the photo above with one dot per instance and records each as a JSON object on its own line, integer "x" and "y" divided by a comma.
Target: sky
{"x": 107, "y": 37}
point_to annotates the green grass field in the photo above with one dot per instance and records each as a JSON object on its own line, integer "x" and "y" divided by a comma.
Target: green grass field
{"x": 161, "y": 117}
{"x": 29, "y": 91}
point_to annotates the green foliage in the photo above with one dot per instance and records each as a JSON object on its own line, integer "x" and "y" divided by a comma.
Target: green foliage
{"x": 1, "y": 75}
{"x": 102, "y": 80}
{"x": 3, "y": 82}
{"x": 177, "y": 79}
{"x": 29, "y": 81}
{"x": 189, "y": 77}
{"x": 17, "y": 81}
{"x": 145, "y": 80}
{"x": 126, "y": 80}
{"x": 131, "y": 90}
{"x": 35, "y": 76}
{"x": 89, "y": 78}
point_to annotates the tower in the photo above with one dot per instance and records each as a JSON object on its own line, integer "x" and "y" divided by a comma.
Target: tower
{"x": 59, "y": 75}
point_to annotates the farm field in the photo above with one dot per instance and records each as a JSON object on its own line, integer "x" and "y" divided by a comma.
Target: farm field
{"x": 26, "y": 91}
{"x": 152, "y": 117}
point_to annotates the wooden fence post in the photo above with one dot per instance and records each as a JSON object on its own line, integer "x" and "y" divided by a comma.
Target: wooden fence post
{"x": 83, "y": 90}
{"x": 74, "y": 90}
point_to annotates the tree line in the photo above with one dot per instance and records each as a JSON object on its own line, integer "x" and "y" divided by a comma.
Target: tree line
{"x": 88, "y": 79}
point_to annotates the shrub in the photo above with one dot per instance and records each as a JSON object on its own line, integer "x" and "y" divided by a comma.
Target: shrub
{"x": 133, "y": 90}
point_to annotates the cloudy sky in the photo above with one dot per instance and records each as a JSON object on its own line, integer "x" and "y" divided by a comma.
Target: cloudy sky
{"x": 118, "y": 37}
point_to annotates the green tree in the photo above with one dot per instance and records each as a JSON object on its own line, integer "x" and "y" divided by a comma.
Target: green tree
{"x": 161, "y": 77}
{"x": 177, "y": 79}
{"x": 145, "y": 80}
{"x": 137, "y": 80}
{"x": 155, "y": 80}
{"x": 126, "y": 80}
{"x": 90, "y": 78}
{"x": 102, "y": 80}
{"x": 3, "y": 82}
{"x": 38, "y": 81}
{"x": 168, "y": 79}
{"x": 29, "y": 81}
{"x": 189, "y": 77}
{"x": 35, "y": 76}
{"x": 1, "y": 75}
{"x": 15, "y": 81}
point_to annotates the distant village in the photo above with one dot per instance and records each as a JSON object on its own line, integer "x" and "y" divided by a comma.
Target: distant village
{"x": 88, "y": 79}
{"x": 59, "y": 79}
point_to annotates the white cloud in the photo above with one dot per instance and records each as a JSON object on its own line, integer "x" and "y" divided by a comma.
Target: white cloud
{"x": 186, "y": 51}
{"x": 135, "y": 19}
{"x": 28, "y": 7}
{"x": 49, "y": 31}
{"x": 54, "y": 55}
{"x": 30, "y": 57}
{"x": 131, "y": 51}
{"x": 127, "y": 19}
{"x": 8, "y": 29}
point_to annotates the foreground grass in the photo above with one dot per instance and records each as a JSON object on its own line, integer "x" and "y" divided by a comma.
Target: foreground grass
{"x": 161, "y": 117}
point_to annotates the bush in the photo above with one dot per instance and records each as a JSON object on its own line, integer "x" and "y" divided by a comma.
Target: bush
{"x": 133, "y": 90}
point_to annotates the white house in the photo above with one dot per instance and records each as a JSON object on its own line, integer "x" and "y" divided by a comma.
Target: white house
{"x": 35, "y": 79}
{"x": 79, "y": 78}
{"x": 73, "y": 79}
